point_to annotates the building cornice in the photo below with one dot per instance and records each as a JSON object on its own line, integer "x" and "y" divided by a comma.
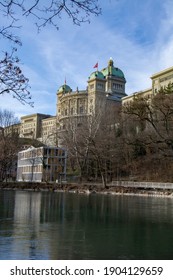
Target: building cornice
{"x": 170, "y": 69}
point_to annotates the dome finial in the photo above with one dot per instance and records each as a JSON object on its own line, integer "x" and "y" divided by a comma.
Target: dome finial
{"x": 110, "y": 62}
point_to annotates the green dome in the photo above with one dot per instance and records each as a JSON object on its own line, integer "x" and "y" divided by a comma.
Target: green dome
{"x": 96, "y": 74}
{"x": 64, "y": 89}
{"x": 111, "y": 70}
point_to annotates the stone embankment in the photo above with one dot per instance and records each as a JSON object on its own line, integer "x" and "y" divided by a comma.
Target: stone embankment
{"x": 88, "y": 189}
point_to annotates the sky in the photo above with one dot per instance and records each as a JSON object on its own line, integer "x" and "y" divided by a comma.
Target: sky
{"x": 136, "y": 34}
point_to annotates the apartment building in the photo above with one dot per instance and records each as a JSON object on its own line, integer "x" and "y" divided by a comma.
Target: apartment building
{"x": 31, "y": 126}
{"x": 12, "y": 129}
{"x": 43, "y": 164}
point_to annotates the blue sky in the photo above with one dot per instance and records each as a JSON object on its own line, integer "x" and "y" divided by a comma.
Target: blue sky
{"x": 136, "y": 34}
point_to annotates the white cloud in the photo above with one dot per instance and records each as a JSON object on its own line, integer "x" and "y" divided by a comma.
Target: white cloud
{"x": 139, "y": 38}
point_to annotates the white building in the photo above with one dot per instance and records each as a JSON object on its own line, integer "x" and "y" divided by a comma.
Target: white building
{"x": 43, "y": 164}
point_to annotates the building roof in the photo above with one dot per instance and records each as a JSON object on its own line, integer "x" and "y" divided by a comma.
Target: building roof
{"x": 64, "y": 89}
{"x": 35, "y": 115}
{"x": 165, "y": 71}
{"x": 96, "y": 74}
{"x": 110, "y": 70}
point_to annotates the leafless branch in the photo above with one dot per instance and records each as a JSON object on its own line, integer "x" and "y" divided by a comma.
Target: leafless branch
{"x": 12, "y": 80}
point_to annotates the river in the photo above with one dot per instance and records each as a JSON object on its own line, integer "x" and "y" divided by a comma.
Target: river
{"x": 58, "y": 226}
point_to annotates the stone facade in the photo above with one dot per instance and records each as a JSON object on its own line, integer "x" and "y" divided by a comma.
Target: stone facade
{"x": 48, "y": 131}
{"x": 31, "y": 126}
{"x": 107, "y": 85}
{"x": 159, "y": 80}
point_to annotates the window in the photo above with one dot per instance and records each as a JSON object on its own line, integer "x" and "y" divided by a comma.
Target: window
{"x": 81, "y": 110}
{"x": 100, "y": 86}
{"x": 115, "y": 86}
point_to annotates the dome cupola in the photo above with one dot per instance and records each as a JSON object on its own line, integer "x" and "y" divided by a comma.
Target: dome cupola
{"x": 110, "y": 70}
{"x": 96, "y": 75}
{"x": 64, "y": 89}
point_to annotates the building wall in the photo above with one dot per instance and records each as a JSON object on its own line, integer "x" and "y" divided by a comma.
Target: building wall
{"x": 31, "y": 126}
{"x": 161, "y": 79}
{"x": 30, "y": 165}
{"x": 144, "y": 94}
{"x": 14, "y": 128}
{"x": 72, "y": 104}
{"x": 41, "y": 164}
{"x": 158, "y": 80}
{"x": 48, "y": 131}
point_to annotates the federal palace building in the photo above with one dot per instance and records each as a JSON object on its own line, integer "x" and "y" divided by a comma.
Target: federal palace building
{"x": 106, "y": 85}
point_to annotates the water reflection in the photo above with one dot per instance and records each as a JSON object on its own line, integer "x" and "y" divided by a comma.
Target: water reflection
{"x": 37, "y": 225}
{"x": 26, "y": 225}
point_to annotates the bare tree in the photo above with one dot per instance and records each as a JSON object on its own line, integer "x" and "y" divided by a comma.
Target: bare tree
{"x": 9, "y": 144}
{"x": 12, "y": 80}
{"x": 93, "y": 145}
{"x": 153, "y": 119}
{"x": 149, "y": 129}
{"x": 44, "y": 13}
{"x": 106, "y": 145}
{"x": 7, "y": 118}
{"x": 71, "y": 138}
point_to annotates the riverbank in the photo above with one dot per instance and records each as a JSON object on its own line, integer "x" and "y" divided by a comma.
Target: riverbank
{"x": 87, "y": 188}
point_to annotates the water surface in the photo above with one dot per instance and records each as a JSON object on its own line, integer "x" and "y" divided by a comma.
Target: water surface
{"x": 47, "y": 225}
